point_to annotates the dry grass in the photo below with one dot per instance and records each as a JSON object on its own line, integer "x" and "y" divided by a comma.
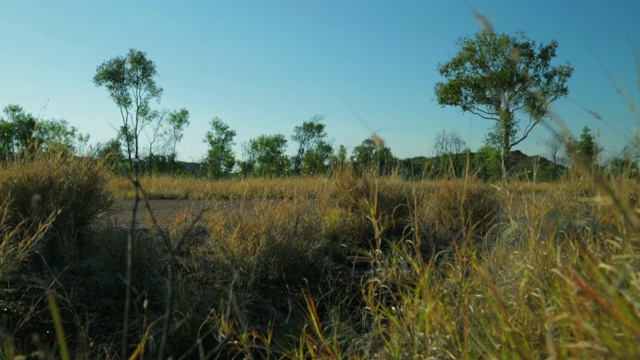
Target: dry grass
{"x": 360, "y": 267}
{"x": 170, "y": 187}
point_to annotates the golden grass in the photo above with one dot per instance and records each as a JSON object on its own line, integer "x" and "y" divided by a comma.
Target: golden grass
{"x": 170, "y": 187}
{"x": 379, "y": 267}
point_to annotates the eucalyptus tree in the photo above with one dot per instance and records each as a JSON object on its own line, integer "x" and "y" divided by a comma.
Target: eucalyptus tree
{"x": 500, "y": 76}
{"x": 130, "y": 81}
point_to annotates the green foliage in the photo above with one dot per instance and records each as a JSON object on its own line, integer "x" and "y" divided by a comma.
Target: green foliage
{"x": 178, "y": 121}
{"x": 166, "y": 131}
{"x": 21, "y": 132}
{"x": 494, "y": 76}
{"x": 58, "y": 135}
{"x": 313, "y": 153}
{"x": 220, "y": 157}
{"x": 266, "y": 156}
{"x": 488, "y": 163}
{"x": 372, "y": 156}
{"x": 112, "y": 156}
{"x": 316, "y": 160}
{"x": 131, "y": 85}
{"x": 24, "y": 125}
{"x": 584, "y": 151}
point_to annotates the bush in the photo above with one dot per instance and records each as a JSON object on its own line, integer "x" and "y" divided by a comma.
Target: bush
{"x": 450, "y": 212}
{"x": 66, "y": 191}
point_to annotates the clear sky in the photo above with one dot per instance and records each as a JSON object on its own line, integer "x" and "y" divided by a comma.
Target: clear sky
{"x": 265, "y": 67}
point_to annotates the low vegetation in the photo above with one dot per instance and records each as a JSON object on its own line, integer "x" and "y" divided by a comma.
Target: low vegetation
{"x": 350, "y": 266}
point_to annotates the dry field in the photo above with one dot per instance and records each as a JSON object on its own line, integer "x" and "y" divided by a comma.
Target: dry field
{"x": 340, "y": 267}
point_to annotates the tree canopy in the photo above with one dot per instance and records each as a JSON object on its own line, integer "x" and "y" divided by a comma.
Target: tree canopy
{"x": 21, "y": 132}
{"x": 497, "y": 76}
{"x": 220, "y": 157}
{"x": 130, "y": 81}
{"x": 369, "y": 156}
{"x": 314, "y": 153}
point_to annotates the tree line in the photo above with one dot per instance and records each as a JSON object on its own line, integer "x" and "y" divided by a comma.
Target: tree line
{"x": 507, "y": 79}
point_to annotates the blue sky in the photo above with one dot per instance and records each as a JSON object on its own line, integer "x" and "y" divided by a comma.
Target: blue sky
{"x": 265, "y": 67}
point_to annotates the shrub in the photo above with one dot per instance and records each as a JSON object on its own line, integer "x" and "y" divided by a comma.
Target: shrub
{"x": 448, "y": 212}
{"x": 67, "y": 191}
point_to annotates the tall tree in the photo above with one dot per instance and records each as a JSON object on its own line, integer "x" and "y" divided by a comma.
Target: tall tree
{"x": 164, "y": 133}
{"x": 308, "y": 136}
{"x": 220, "y": 157}
{"x": 495, "y": 76}
{"x": 178, "y": 121}
{"x": 155, "y": 133}
{"x": 130, "y": 81}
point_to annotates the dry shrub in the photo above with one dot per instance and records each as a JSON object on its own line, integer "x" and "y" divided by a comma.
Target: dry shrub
{"x": 18, "y": 242}
{"x": 270, "y": 240}
{"x": 453, "y": 211}
{"x": 370, "y": 206}
{"x": 54, "y": 187}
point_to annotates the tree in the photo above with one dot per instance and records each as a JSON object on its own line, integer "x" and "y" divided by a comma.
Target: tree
{"x": 154, "y": 132}
{"x": 585, "y": 150}
{"x": 555, "y": 147}
{"x": 131, "y": 85}
{"x": 59, "y": 135}
{"x": 7, "y": 144}
{"x": 266, "y": 155}
{"x": 317, "y": 160}
{"x": 21, "y": 132}
{"x": 341, "y": 156}
{"x": 448, "y": 143}
{"x": 369, "y": 156}
{"x": 447, "y": 146}
{"x": 164, "y": 133}
{"x": 487, "y": 163}
{"x": 220, "y": 157}
{"x": 23, "y": 125}
{"x": 495, "y": 76}
{"x": 309, "y": 136}
{"x": 178, "y": 121}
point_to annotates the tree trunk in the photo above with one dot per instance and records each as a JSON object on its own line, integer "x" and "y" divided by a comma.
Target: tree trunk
{"x": 506, "y": 119}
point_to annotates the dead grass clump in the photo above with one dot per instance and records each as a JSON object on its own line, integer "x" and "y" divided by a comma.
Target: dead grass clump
{"x": 451, "y": 212}
{"x": 368, "y": 208}
{"x": 64, "y": 190}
